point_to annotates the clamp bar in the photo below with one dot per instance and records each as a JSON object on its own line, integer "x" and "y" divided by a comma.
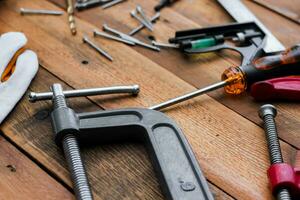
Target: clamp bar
{"x": 133, "y": 89}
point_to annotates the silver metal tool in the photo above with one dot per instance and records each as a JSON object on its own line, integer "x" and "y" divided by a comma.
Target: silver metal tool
{"x": 140, "y": 10}
{"x": 112, "y": 3}
{"x": 134, "y": 15}
{"x": 105, "y": 35}
{"x": 130, "y": 89}
{"x": 189, "y": 95}
{"x": 140, "y": 27}
{"x": 129, "y": 38}
{"x": 242, "y": 14}
{"x": 101, "y": 51}
{"x": 165, "y": 45}
{"x": 24, "y": 11}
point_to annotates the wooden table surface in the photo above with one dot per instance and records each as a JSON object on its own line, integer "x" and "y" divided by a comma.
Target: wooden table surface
{"x": 224, "y": 131}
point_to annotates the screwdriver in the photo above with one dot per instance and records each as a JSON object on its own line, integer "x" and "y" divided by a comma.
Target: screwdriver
{"x": 236, "y": 80}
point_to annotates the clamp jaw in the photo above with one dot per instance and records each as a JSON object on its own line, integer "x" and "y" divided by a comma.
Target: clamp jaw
{"x": 283, "y": 175}
{"x": 248, "y": 39}
{"x": 173, "y": 159}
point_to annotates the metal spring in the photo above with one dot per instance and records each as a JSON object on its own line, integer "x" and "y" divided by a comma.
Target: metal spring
{"x": 272, "y": 138}
{"x": 283, "y": 194}
{"x": 81, "y": 187}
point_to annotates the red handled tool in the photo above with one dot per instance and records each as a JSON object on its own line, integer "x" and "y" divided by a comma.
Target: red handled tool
{"x": 284, "y": 178}
{"x": 237, "y": 80}
{"x": 283, "y": 175}
{"x": 284, "y": 88}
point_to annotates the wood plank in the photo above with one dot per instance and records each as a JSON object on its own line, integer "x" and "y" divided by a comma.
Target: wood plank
{"x": 221, "y": 144}
{"x": 289, "y": 9}
{"x": 109, "y": 166}
{"x": 244, "y": 105}
{"x": 20, "y": 178}
{"x": 204, "y": 69}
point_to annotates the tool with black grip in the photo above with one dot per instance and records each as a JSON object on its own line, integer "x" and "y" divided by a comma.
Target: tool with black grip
{"x": 176, "y": 166}
{"x": 248, "y": 36}
{"x": 237, "y": 80}
{"x": 245, "y": 38}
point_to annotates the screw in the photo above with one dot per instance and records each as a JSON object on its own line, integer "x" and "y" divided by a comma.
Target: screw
{"x": 112, "y": 3}
{"x": 24, "y": 11}
{"x": 85, "y": 39}
{"x": 140, "y": 27}
{"x": 268, "y": 113}
{"x": 72, "y": 154}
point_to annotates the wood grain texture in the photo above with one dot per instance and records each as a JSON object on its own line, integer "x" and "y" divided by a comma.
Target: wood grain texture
{"x": 20, "y": 178}
{"x": 207, "y": 68}
{"x": 289, "y": 9}
{"x": 230, "y": 148}
{"x": 124, "y": 168}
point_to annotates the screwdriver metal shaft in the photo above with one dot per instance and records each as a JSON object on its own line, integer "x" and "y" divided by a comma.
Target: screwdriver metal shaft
{"x": 189, "y": 95}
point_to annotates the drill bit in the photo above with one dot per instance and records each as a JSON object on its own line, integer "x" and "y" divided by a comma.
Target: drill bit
{"x": 71, "y": 17}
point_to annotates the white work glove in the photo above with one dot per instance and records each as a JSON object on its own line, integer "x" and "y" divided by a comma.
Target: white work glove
{"x": 17, "y": 69}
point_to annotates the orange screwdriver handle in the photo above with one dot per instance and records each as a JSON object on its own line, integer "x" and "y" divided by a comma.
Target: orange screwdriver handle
{"x": 284, "y": 64}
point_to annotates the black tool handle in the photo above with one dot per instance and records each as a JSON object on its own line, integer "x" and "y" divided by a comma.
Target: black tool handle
{"x": 178, "y": 170}
{"x": 283, "y": 64}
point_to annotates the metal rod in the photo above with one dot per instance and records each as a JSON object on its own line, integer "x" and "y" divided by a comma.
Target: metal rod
{"x": 131, "y": 89}
{"x": 112, "y": 3}
{"x": 166, "y": 45}
{"x": 140, "y": 27}
{"x": 130, "y": 38}
{"x": 71, "y": 18}
{"x": 189, "y": 95}
{"x": 140, "y": 10}
{"x": 24, "y": 11}
{"x": 97, "y": 48}
{"x": 133, "y": 14}
{"x": 105, "y": 35}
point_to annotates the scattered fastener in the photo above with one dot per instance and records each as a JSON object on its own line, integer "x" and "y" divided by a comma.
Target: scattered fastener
{"x": 25, "y": 11}
{"x": 94, "y": 46}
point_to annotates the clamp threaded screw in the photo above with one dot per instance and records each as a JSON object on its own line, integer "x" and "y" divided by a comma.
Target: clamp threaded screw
{"x": 72, "y": 154}
{"x": 268, "y": 113}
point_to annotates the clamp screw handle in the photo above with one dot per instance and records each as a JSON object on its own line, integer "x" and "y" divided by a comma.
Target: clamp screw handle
{"x": 71, "y": 151}
{"x": 131, "y": 89}
{"x": 268, "y": 113}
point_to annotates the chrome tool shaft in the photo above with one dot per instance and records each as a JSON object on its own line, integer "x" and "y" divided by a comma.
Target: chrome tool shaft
{"x": 130, "y": 89}
{"x": 189, "y": 95}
